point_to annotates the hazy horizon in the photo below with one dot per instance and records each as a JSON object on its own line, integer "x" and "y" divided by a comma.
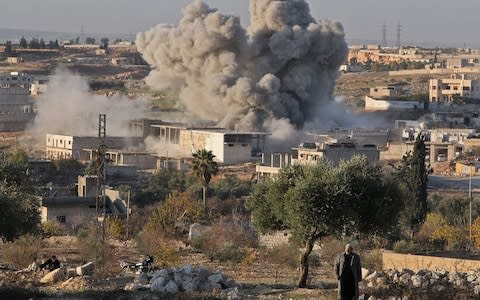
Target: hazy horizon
{"x": 423, "y": 22}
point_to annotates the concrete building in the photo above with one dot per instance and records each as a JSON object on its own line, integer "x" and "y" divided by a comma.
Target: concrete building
{"x": 15, "y": 83}
{"x": 372, "y": 104}
{"x": 74, "y": 207}
{"x": 140, "y": 160}
{"x": 389, "y": 91}
{"x": 456, "y": 63}
{"x": 311, "y": 153}
{"x": 74, "y": 147}
{"x": 229, "y": 147}
{"x": 457, "y": 86}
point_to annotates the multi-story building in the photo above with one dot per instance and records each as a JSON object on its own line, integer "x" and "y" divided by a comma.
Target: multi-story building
{"x": 457, "y": 86}
{"x": 75, "y": 147}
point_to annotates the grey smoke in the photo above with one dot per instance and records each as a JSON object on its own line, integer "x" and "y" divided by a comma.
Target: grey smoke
{"x": 276, "y": 76}
{"x": 68, "y": 107}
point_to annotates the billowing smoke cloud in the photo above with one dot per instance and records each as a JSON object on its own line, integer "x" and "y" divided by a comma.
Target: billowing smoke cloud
{"x": 69, "y": 108}
{"x": 277, "y": 76}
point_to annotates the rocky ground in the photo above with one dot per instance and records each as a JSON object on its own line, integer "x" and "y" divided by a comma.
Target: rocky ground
{"x": 199, "y": 278}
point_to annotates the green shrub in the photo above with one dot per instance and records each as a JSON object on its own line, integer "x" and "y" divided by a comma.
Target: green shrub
{"x": 52, "y": 228}
{"x": 231, "y": 253}
{"x": 154, "y": 243}
{"x": 372, "y": 260}
{"x": 21, "y": 252}
{"x": 405, "y": 247}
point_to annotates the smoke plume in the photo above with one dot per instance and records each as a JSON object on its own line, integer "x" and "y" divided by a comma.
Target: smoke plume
{"x": 68, "y": 107}
{"x": 276, "y": 76}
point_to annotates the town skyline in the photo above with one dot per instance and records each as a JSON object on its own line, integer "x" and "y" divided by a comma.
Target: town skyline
{"x": 362, "y": 23}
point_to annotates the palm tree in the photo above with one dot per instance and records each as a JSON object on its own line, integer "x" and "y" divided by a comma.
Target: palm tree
{"x": 204, "y": 168}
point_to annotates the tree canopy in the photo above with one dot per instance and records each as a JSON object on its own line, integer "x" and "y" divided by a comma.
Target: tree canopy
{"x": 413, "y": 174}
{"x": 18, "y": 199}
{"x": 204, "y": 167}
{"x": 323, "y": 200}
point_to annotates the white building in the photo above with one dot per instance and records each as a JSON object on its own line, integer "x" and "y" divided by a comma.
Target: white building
{"x": 229, "y": 147}
{"x": 75, "y": 147}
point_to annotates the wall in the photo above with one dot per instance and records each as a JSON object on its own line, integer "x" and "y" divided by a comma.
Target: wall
{"x": 382, "y": 105}
{"x": 395, "y": 151}
{"x": 419, "y": 262}
{"x": 275, "y": 239}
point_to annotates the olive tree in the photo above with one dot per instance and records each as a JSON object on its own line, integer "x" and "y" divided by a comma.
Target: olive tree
{"x": 322, "y": 200}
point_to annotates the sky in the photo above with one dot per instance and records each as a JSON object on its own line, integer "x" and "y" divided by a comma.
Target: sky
{"x": 432, "y": 22}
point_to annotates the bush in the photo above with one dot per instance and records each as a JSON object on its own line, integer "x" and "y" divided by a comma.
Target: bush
{"x": 178, "y": 207}
{"x": 52, "y": 228}
{"x": 154, "y": 243}
{"x": 21, "y": 252}
{"x": 405, "y": 247}
{"x": 372, "y": 260}
{"x": 89, "y": 241}
{"x": 331, "y": 247}
{"x": 114, "y": 228}
{"x": 231, "y": 253}
{"x": 223, "y": 236}
{"x": 283, "y": 255}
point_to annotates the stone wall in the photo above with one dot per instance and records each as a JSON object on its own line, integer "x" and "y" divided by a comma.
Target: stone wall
{"x": 275, "y": 239}
{"x": 419, "y": 262}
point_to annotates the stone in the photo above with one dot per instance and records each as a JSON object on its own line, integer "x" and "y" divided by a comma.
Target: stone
{"x": 372, "y": 277}
{"x": 232, "y": 294}
{"x": 171, "y": 287}
{"x": 215, "y": 278}
{"x": 408, "y": 271}
{"x": 178, "y": 278}
{"x": 142, "y": 279}
{"x": 187, "y": 269}
{"x": 230, "y": 283}
{"x": 53, "y": 277}
{"x": 365, "y": 273}
{"x": 189, "y": 287}
{"x": 472, "y": 277}
{"x": 404, "y": 279}
{"x": 439, "y": 288}
{"x": 416, "y": 281}
{"x": 86, "y": 269}
{"x": 158, "y": 285}
{"x": 71, "y": 272}
{"x": 476, "y": 290}
{"x": 372, "y": 298}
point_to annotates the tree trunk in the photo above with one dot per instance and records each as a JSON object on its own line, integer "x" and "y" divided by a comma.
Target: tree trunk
{"x": 302, "y": 282}
{"x": 204, "y": 194}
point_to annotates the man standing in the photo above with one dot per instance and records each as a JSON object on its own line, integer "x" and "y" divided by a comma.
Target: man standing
{"x": 348, "y": 271}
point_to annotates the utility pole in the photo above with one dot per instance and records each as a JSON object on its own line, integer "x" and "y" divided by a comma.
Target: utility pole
{"x": 399, "y": 35}
{"x": 128, "y": 212}
{"x": 101, "y": 198}
{"x": 384, "y": 35}
{"x": 470, "y": 197}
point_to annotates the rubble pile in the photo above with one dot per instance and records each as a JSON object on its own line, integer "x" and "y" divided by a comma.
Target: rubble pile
{"x": 185, "y": 279}
{"x": 437, "y": 281}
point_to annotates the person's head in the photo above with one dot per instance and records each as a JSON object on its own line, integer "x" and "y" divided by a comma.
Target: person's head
{"x": 54, "y": 257}
{"x": 348, "y": 249}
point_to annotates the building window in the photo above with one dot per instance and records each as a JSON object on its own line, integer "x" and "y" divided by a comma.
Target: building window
{"x": 434, "y": 87}
{"x": 455, "y": 88}
{"x": 434, "y": 98}
{"x": 61, "y": 219}
{"x": 466, "y": 88}
{"x": 69, "y": 142}
{"x": 448, "y": 87}
{"x": 231, "y": 145}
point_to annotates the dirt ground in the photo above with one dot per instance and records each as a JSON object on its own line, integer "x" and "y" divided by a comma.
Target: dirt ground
{"x": 258, "y": 280}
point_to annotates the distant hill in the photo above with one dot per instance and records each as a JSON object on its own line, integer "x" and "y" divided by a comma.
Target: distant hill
{"x": 14, "y": 35}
